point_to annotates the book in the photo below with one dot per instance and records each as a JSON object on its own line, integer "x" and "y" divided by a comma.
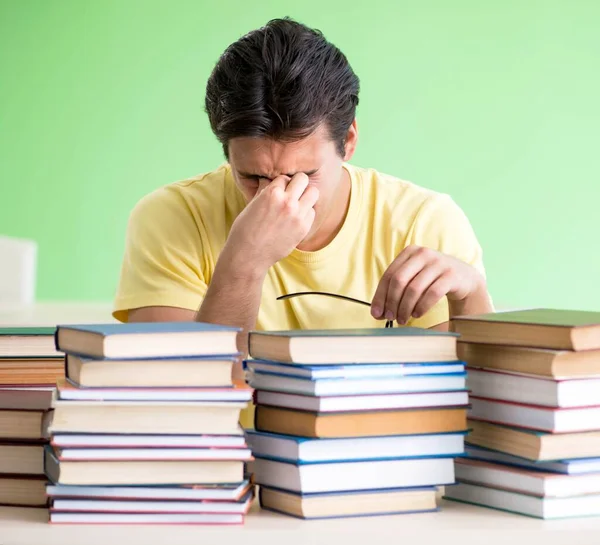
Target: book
{"x": 304, "y": 450}
{"x": 336, "y": 404}
{"x": 345, "y": 504}
{"x": 23, "y": 424}
{"x": 527, "y": 481}
{"x": 34, "y": 372}
{"x": 357, "y": 386}
{"x": 77, "y": 505}
{"x": 141, "y": 472}
{"x": 238, "y": 392}
{"x": 149, "y": 373}
{"x": 531, "y": 390}
{"x": 106, "y": 441}
{"x": 147, "y": 340}
{"x": 21, "y": 458}
{"x": 145, "y": 417}
{"x": 359, "y": 424}
{"x": 533, "y": 506}
{"x": 184, "y": 492}
{"x": 532, "y": 444}
{"x": 27, "y": 342}
{"x": 350, "y": 476}
{"x": 314, "y": 372}
{"x": 23, "y": 490}
{"x": 535, "y": 417}
{"x": 557, "y": 364}
{"x": 140, "y": 453}
{"x": 61, "y": 517}
{"x": 579, "y": 466}
{"x": 352, "y": 346}
{"x": 36, "y": 398}
{"x": 558, "y": 329}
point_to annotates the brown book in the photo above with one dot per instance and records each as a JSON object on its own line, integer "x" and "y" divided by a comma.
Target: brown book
{"x": 542, "y": 328}
{"x": 360, "y": 424}
{"x": 23, "y": 490}
{"x": 558, "y": 364}
{"x": 22, "y": 458}
{"x": 19, "y": 424}
{"x": 534, "y": 445}
{"x": 25, "y": 371}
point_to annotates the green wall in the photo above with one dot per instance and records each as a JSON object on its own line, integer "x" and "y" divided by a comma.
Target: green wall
{"x": 496, "y": 103}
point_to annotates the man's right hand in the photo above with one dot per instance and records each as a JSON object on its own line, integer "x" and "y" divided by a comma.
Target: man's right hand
{"x": 274, "y": 222}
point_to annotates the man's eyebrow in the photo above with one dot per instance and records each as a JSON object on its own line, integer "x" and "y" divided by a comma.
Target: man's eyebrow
{"x": 251, "y": 175}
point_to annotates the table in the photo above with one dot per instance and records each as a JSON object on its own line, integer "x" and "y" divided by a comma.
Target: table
{"x": 455, "y": 524}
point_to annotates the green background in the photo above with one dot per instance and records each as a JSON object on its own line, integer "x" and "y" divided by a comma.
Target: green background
{"x": 496, "y": 103}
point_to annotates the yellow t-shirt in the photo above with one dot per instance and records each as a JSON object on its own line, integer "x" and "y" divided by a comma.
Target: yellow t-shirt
{"x": 176, "y": 233}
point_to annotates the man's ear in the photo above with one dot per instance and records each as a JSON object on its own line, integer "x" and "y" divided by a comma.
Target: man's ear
{"x": 351, "y": 141}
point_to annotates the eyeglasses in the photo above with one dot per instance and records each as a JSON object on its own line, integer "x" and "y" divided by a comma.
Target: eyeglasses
{"x": 388, "y": 323}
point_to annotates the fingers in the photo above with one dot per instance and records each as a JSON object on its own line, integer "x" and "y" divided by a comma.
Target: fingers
{"x": 434, "y": 293}
{"x": 297, "y": 185}
{"x": 263, "y": 183}
{"x": 414, "y": 291}
{"x": 401, "y": 278}
{"x": 378, "y": 304}
{"x": 309, "y": 197}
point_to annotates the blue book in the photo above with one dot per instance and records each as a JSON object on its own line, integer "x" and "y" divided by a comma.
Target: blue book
{"x": 301, "y": 450}
{"x": 352, "y": 346}
{"x": 357, "y": 386}
{"x": 314, "y": 372}
{"x": 147, "y": 340}
{"x": 365, "y": 503}
{"x": 578, "y": 466}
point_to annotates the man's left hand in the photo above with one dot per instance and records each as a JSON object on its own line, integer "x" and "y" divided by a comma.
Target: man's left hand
{"x": 419, "y": 277}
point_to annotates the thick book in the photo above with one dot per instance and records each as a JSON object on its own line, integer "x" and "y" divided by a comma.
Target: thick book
{"x": 140, "y": 472}
{"x": 146, "y": 417}
{"x": 543, "y": 328}
{"x": 557, "y": 364}
{"x": 17, "y": 424}
{"x": 577, "y": 466}
{"x": 532, "y": 444}
{"x": 535, "y": 417}
{"x": 33, "y": 372}
{"x": 21, "y": 458}
{"x": 336, "y": 404}
{"x": 27, "y": 342}
{"x": 381, "y": 370}
{"x": 33, "y": 398}
{"x": 531, "y": 390}
{"x": 147, "y": 340}
{"x": 239, "y": 392}
{"x": 360, "y": 424}
{"x": 527, "y": 481}
{"x": 349, "y": 476}
{"x": 150, "y": 373}
{"x": 182, "y": 492}
{"x": 523, "y": 504}
{"x": 358, "y": 386}
{"x": 303, "y": 450}
{"x": 349, "y": 504}
{"x": 353, "y": 346}
{"x": 23, "y": 490}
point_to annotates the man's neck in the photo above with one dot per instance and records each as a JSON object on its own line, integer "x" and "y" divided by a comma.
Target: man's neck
{"x": 332, "y": 224}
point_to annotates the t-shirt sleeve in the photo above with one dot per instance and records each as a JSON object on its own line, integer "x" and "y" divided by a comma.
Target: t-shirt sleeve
{"x": 443, "y": 226}
{"x": 163, "y": 262}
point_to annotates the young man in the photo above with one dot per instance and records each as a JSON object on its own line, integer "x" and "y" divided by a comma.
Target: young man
{"x": 286, "y": 213}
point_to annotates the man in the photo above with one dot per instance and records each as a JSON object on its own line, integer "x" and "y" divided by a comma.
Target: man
{"x": 286, "y": 213}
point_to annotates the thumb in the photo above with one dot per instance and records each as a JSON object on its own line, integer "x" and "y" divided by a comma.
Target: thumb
{"x": 262, "y": 184}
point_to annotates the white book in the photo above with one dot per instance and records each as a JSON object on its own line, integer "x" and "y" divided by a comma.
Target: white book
{"x": 143, "y": 518}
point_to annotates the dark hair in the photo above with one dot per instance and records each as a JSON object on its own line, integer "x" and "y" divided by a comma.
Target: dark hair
{"x": 282, "y": 81}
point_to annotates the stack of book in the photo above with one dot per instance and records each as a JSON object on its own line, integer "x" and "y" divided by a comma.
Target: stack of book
{"x": 29, "y": 368}
{"x": 145, "y": 428}
{"x": 534, "y": 447}
{"x": 355, "y": 422}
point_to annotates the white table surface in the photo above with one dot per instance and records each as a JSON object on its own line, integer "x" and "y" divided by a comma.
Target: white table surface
{"x": 455, "y": 523}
